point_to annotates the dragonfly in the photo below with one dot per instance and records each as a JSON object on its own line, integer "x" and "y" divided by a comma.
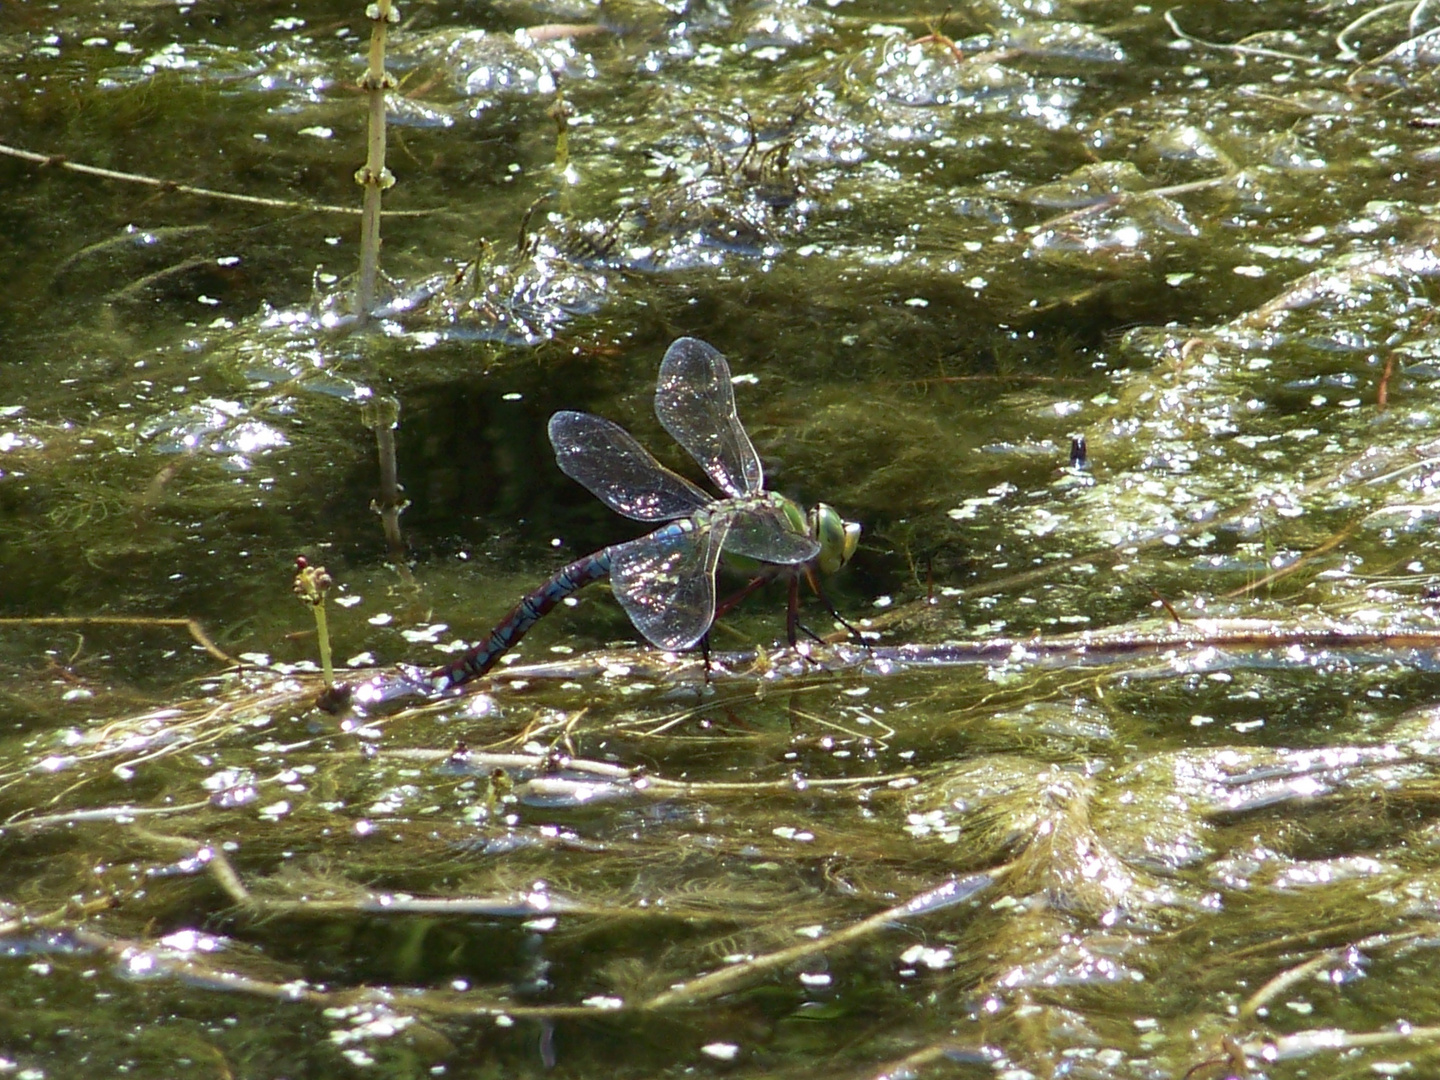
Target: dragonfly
{"x": 665, "y": 580}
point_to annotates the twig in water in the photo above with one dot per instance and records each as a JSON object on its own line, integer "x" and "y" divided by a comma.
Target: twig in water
{"x": 1382, "y": 392}
{"x": 1398, "y": 50}
{"x": 1244, "y": 50}
{"x": 1286, "y": 979}
{"x": 195, "y": 629}
{"x": 1284, "y": 571}
{"x": 723, "y": 981}
{"x": 1345, "y": 50}
{"x": 1417, "y": 16}
{"x": 62, "y": 162}
{"x": 1168, "y": 607}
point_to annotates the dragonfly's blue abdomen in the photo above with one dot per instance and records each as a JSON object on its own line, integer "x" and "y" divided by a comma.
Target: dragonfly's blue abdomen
{"x": 478, "y": 660}
{"x": 535, "y": 606}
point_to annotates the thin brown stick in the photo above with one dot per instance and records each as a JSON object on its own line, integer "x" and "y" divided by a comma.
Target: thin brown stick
{"x": 1286, "y": 979}
{"x": 1285, "y": 571}
{"x": 719, "y": 982}
{"x": 195, "y": 630}
{"x": 1168, "y": 607}
{"x": 561, "y": 31}
{"x": 1243, "y": 50}
{"x": 102, "y": 813}
{"x": 194, "y": 970}
{"x": 1346, "y": 51}
{"x": 62, "y": 162}
{"x": 1333, "y": 1040}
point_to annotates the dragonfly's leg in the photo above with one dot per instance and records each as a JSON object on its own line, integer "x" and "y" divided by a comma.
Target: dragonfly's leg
{"x": 830, "y": 607}
{"x": 792, "y": 620}
{"x": 734, "y": 600}
{"x": 705, "y": 653}
{"x": 810, "y": 634}
{"x": 792, "y": 611}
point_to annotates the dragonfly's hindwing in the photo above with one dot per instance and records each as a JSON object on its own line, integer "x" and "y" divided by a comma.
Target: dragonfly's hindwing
{"x": 619, "y": 471}
{"x": 666, "y": 581}
{"x": 695, "y": 402}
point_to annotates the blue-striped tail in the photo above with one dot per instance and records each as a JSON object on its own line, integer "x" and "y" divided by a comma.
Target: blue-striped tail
{"x": 476, "y": 661}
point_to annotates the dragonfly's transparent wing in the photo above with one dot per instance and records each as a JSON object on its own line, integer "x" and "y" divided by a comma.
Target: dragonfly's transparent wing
{"x": 696, "y": 403}
{"x": 666, "y": 582}
{"x": 764, "y": 532}
{"x": 619, "y": 471}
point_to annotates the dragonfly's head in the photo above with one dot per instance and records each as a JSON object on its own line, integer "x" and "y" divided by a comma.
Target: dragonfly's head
{"x": 838, "y": 538}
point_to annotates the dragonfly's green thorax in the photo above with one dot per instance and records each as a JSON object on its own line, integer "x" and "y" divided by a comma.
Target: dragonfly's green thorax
{"x": 836, "y": 537}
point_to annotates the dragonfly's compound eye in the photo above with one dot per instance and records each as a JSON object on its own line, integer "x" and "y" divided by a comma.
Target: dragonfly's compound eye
{"x": 852, "y": 539}
{"x": 838, "y": 538}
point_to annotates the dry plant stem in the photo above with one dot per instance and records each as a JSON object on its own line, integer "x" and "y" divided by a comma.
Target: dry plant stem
{"x": 1382, "y": 392}
{"x": 60, "y": 161}
{"x": 723, "y": 981}
{"x": 1243, "y": 50}
{"x": 1309, "y": 556}
{"x": 1417, "y": 17}
{"x": 220, "y": 867}
{"x": 196, "y": 631}
{"x": 1346, "y": 51}
{"x": 374, "y": 177}
{"x": 1091, "y": 649}
{"x": 518, "y": 905}
{"x": 1332, "y": 1040}
{"x": 104, "y": 813}
{"x": 910, "y": 1064}
{"x": 479, "y": 762}
{"x": 1398, "y": 50}
{"x": 197, "y": 972}
{"x": 391, "y": 501}
{"x": 1286, "y": 979}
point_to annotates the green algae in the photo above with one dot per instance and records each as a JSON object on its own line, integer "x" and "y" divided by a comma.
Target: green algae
{"x": 935, "y": 247}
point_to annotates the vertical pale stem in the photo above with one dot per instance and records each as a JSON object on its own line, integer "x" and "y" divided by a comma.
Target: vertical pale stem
{"x": 383, "y": 414}
{"x": 373, "y": 176}
{"x": 322, "y": 632}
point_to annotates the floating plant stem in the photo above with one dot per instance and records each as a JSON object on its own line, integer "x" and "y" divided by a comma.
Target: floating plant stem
{"x": 311, "y": 585}
{"x": 373, "y": 176}
{"x": 60, "y": 161}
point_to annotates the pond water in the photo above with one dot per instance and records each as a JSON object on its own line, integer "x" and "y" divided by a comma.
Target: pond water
{"x": 1135, "y": 772}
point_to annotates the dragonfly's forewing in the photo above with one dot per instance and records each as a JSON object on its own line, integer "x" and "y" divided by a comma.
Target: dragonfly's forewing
{"x": 619, "y": 471}
{"x": 696, "y": 404}
{"x": 764, "y": 532}
{"x": 666, "y": 583}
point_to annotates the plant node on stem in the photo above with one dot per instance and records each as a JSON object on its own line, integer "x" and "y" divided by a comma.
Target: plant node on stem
{"x": 383, "y": 415}
{"x": 373, "y": 176}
